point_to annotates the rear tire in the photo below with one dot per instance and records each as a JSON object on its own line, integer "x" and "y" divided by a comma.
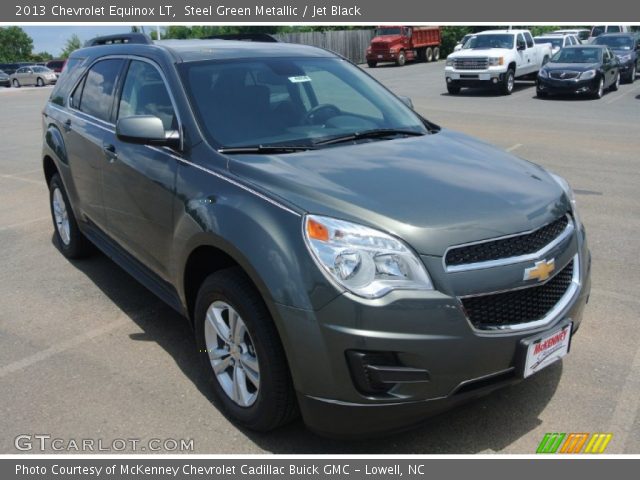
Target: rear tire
{"x": 70, "y": 240}
{"x": 436, "y": 54}
{"x": 429, "y": 54}
{"x": 256, "y": 364}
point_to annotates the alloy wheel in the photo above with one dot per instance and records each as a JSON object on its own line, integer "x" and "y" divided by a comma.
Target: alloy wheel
{"x": 61, "y": 216}
{"x": 232, "y": 354}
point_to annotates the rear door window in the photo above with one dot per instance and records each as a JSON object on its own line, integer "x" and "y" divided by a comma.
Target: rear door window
{"x": 529, "y": 39}
{"x": 96, "y": 97}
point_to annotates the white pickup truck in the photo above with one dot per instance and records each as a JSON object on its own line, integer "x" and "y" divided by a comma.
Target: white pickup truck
{"x": 495, "y": 58}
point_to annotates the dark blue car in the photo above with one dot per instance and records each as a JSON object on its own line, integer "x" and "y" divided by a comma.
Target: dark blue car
{"x": 626, "y": 47}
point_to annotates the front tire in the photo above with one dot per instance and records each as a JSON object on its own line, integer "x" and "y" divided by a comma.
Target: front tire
{"x": 453, "y": 89}
{"x": 70, "y": 240}
{"x": 40, "y": 82}
{"x": 372, "y": 64}
{"x": 241, "y": 349}
{"x": 16, "y": 83}
{"x": 599, "y": 93}
{"x": 402, "y": 59}
{"x": 615, "y": 85}
{"x": 508, "y": 83}
{"x": 632, "y": 75}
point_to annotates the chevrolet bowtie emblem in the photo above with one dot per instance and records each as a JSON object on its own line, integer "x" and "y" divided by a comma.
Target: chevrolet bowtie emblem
{"x": 540, "y": 271}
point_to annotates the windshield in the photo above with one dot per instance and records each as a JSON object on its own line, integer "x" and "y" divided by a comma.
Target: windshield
{"x": 578, "y": 55}
{"x": 615, "y": 42}
{"x": 554, "y": 41}
{"x": 501, "y": 40}
{"x": 290, "y": 101}
{"x": 41, "y": 69}
{"x": 388, "y": 31}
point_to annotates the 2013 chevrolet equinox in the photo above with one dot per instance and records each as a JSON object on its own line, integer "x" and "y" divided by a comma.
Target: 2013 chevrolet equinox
{"x": 336, "y": 253}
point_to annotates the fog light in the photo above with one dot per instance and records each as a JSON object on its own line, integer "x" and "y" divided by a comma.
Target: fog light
{"x": 448, "y": 79}
{"x": 494, "y": 80}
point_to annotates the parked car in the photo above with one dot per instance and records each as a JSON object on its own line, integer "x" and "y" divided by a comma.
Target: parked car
{"x": 462, "y": 41}
{"x": 33, "y": 75}
{"x": 626, "y": 47}
{"x": 495, "y": 58}
{"x": 581, "y": 34}
{"x": 10, "y": 68}
{"x": 56, "y": 66}
{"x": 557, "y": 41}
{"x": 400, "y": 44}
{"x": 585, "y": 69}
{"x": 336, "y": 253}
{"x": 5, "y": 81}
{"x": 598, "y": 30}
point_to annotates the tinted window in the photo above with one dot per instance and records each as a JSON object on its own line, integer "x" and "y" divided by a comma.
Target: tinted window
{"x": 613, "y": 29}
{"x": 617, "y": 42}
{"x": 599, "y": 30}
{"x": 55, "y": 64}
{"x": 99, "y": 85}
{"x": 521, "y": 39}
{"x": 578, "y": 55}
{"x": 144, "y": 93}
{"x": 388, "y": 31}
{"x": 527, "y": 36}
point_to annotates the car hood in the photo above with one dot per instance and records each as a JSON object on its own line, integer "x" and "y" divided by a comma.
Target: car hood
{"x": 577, "y": 67}
{"x": 622, "y": 53}
{"x": 480, "y": 52}
{"x": 433, "y": 191}
{"x": 389, "y": 39}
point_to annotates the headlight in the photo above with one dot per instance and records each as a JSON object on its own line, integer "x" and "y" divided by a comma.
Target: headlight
{"x": 449, "y": 62}
{"x": 543, "y": 73}
{"x": 588, "y": 74}
{"x": 570, "y": 195}
{"x": 625, "y": 58}
{"x": 494, "y": 61}
{"x": 393, "y": 50}
{"x": 365, "y": 261}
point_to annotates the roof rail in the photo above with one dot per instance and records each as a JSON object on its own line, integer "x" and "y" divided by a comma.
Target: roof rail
{"x": 133, "y": 37}
{"x": 246, "y": 37}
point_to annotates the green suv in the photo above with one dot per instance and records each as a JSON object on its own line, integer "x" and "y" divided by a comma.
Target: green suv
{"x": 338, "y": 255}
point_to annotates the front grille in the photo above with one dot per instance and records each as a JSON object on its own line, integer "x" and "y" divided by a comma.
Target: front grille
{"x": 564, "y": 75}
{"x": 507, "y": 247}
{"x": 518, "y": 306}
{"x": 471, "y": 63}
{"x": 379, "y": 46}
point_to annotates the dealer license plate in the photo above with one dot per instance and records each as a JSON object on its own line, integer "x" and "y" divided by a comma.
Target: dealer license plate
{"x": 543, "y": 351}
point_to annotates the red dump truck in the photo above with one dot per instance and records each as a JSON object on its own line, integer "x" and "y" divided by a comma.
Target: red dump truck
{"x": 401, "y": 43}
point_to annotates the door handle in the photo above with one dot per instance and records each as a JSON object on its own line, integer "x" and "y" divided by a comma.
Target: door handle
{"x": 110, "y": 152}
{"x": 67, "y": 125}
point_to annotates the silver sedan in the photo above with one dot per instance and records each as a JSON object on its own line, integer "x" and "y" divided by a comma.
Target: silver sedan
{"x": 33, "y": 75}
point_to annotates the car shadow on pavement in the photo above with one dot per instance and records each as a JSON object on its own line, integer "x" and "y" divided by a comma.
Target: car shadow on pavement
{"x": 485, "y": 425}
{"x": 519, "y": 86}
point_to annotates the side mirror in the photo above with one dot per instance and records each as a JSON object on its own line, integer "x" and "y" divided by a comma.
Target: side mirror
{"x": 406, "y": 100}
{"x": 145, "y": 130}
{"x": 521, "y": 46}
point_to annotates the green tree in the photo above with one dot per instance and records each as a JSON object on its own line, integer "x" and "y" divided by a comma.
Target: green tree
{"x": 41, "y": 57}
{"x": 73, "y": 43}
{"x": 15, "y": 45}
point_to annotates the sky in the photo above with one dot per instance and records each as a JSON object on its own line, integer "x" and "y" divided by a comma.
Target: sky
{"x": 53, "y": 39}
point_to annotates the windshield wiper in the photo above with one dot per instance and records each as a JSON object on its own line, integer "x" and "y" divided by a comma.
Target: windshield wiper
{"x": 377, "y": 133}
{"x": 267, "y": 149}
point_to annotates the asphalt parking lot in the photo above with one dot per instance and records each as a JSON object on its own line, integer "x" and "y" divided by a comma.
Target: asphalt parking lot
{"x": 86, "y": 352}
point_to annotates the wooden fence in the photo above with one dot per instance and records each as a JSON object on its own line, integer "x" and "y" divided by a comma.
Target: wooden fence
{"x": 348, "y": 43}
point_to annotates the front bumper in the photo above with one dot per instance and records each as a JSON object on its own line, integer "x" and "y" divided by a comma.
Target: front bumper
{"x": 382, "y": 56}
{"x": 475, "y": 78}
{"x": 427, "y": 332}
{"x": 570, "y": 86}
{"x": 5, "y": 82}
